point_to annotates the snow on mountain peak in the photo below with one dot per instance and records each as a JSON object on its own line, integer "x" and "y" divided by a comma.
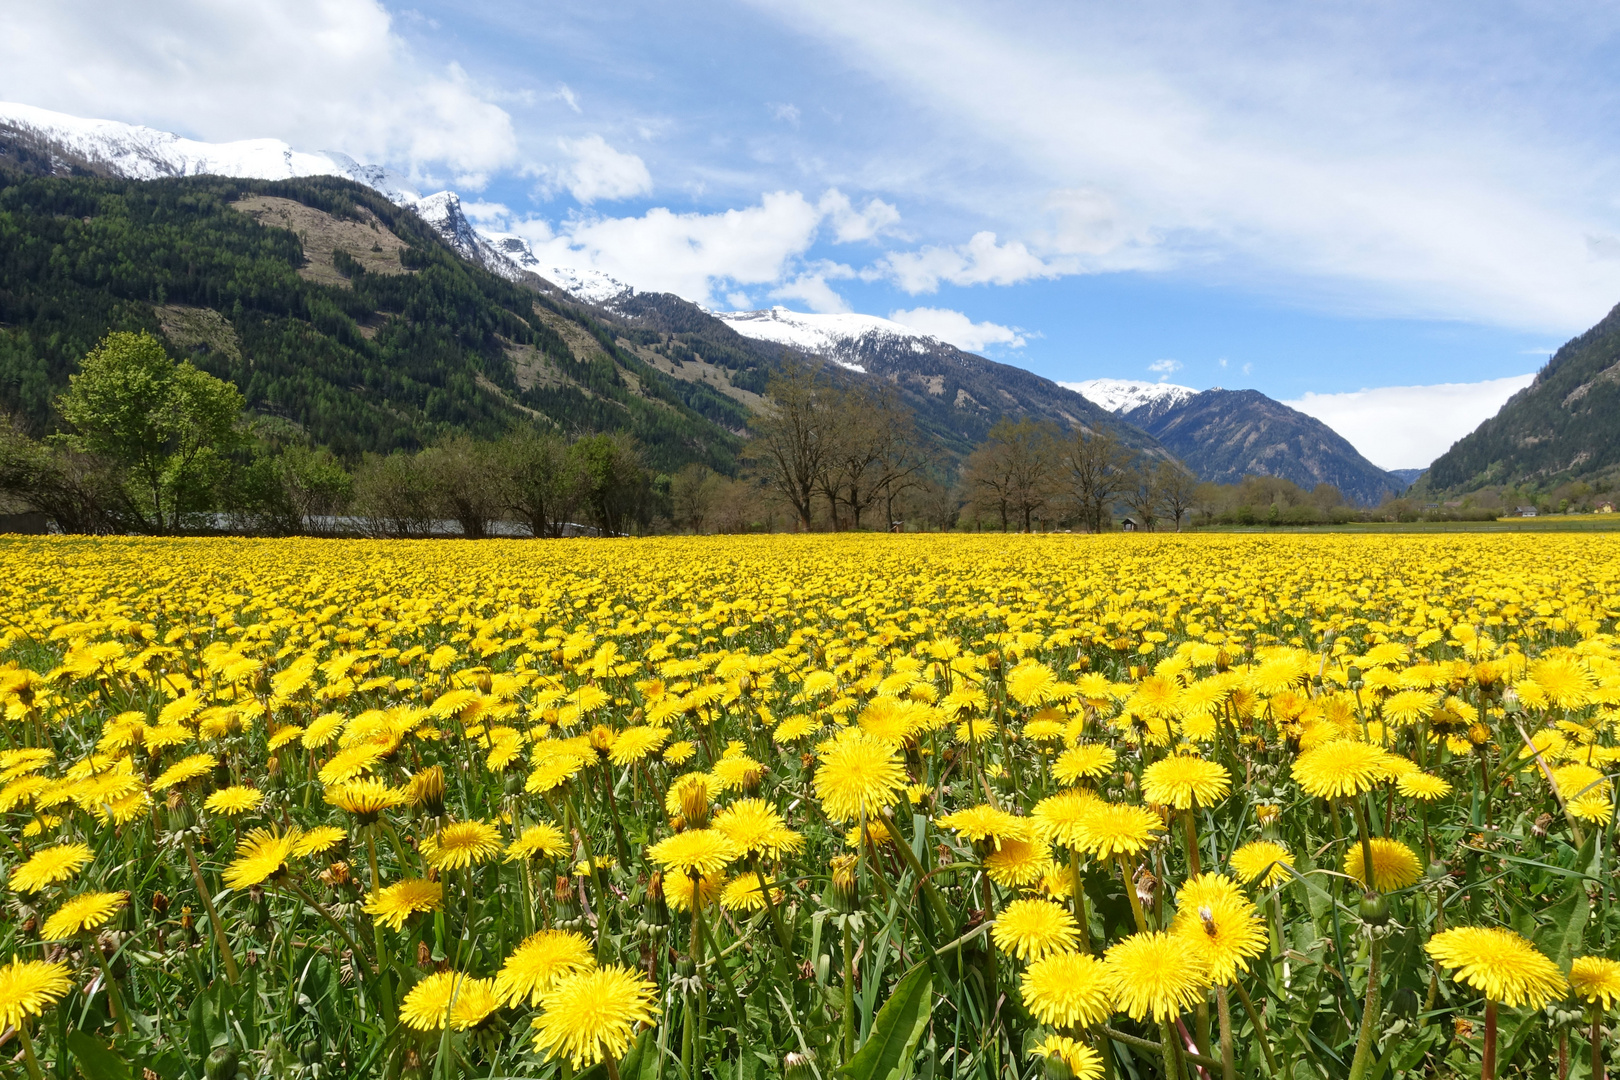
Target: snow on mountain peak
{"x": 1120, "y": 396}
{"x": 831, "y": 335}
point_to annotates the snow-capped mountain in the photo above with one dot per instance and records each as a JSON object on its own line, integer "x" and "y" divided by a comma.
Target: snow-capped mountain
{"x": 844, "y": 338}
{"x": 1121, "y": 396}
{"x": 142, "y": 153}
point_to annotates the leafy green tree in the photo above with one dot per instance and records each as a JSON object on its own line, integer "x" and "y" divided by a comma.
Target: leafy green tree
{"x": 611, "y": 480}
{"x": 167, "y": 424}
{"x": 537, "y": 483}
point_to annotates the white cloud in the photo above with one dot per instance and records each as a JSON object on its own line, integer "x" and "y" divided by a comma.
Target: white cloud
{"x": 785, "y": 112}
{"x": 958, "y": 329}
{"x": 566, "y": 95}
{"x": 319, "y": 74}
{"x": 1341, "y": 160}
{"x": 600, "y": 172}
{"x": 1166, "y": 368}
{"x": 849, "y": 224}
{"x": 811, "y": 287}
{"x": 981, "y": 261}
{"x": 686, "y": 254}
{"x": 1407, "y": 427}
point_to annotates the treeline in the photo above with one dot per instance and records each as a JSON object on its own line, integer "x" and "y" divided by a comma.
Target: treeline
{"x": 156, "y": 446}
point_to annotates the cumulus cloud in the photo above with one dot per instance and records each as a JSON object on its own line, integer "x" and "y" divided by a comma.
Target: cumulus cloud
{"x": 1407, "y": 427}
{"x": 811, "y": 288}
{"x": 319, "y": 74}
{"x": 956, "y": 328}
{"x": 849, "y": 224}
{"x": 597, "y": 171}
{"x": 1166, "y": 368}
{"x": 981, "y": 261}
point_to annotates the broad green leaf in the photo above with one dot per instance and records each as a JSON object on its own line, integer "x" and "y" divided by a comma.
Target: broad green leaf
{"x": 96, "y": 1061}
{"x": 1560, "y": 936}
{"x": 888, "y": 1052}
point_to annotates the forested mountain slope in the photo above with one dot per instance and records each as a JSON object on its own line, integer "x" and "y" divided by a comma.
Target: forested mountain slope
{"x": 1563, "y": 426}
{"x": 328, "y": 306}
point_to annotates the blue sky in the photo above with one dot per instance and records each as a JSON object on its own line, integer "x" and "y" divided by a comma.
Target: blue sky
{"x": 1312, "y": 200}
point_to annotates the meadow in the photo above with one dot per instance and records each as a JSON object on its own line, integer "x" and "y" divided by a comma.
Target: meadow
{"x": 861, "y": 806}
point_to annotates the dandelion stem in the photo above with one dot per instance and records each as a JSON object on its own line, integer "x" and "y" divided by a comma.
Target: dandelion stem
{"x": 1080, "y": 915}
{"x": 28, "y": 1052}
{"x": 1190, "y": 830}
{"x": 1259, "y": 1023}
{"x": 1487, "y": 1068}
{"x": 849, "y": 993}
{"x": 231, "y": 975}
{"x": 1223, "y": 1009}
{"x": 1370, "y": 1013}
{"x": 1130, "y": 892}
{"x": 1596, "y": 1039}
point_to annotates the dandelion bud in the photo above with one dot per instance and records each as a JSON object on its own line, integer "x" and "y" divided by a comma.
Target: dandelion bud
{"x": 846, "y": 895}
{"x": 426, "y": 790}
{"x": 602, "y": 739}
{"x": 160, "y": 904}
{"x": 1266, "y": 813}
{"x": 1510, "y": 701}
{"x": 797, "y": 1066}
{"x": 695, "y": 805}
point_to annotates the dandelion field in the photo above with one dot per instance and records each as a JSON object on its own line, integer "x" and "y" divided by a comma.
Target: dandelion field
{"x": 813, "y": 806}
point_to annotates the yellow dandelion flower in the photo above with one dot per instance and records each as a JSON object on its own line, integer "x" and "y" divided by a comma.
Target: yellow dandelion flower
{"x": 1395, "y": 866}
{"x": 742, "y": 893}
{"x": 233, "y": 801}
{"x": 262, "y": 854}
{"x": 321, "y": 838}
{"x": 1499, "y": 964}
{"x": 448, "y": 999}
{"x": 1084, "y": 1063}
{"x": 1057, "y": 819}
{"x": 593, "y": 1014}
{"x": 1422, "y": 785}
{"x": 1180, "y": 781}
{"x": 1220, "y": 924}
{"x": 858, "y": 775}
{"x": 365, "y": 799}
{"x": 1017, "y": 863}
{"x": 541, "y": 839}
{"x": 393, "y": 904}
{"x": 635, "y": 743}
{"x": 188, "y": 768}
{"x": 696, "y": 851}
{"x": 1262, "y": 862}
{"x": 83, "y": 912}
{"x": 1068, "y": 989}
{"x": 679, "y": 753}
{"x": 678, "y": 891}
{"x": 542, "y": 959}
{"x": 1084, "y": 762}
{"x": 755, "y": 826}
{"x": 1155, "y": 975}
{"x": 1110, "y": 828}
{"x": 29, "y": 987}
{"x": 985, "y": 822}
{"x": 461, "y": 844}
{"x": 1341, "y": 768}
{"x": 49, "y": 865}
{"x": 552, "y": 773}
{"x": 1029, "y": 929}
{"x": 1595, "y": 979}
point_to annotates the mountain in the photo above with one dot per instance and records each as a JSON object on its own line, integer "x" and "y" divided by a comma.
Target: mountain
{"x": 957, "y": 396}
{"x": 1408, "y": 475}
{"x": 1128, "y": 395}
{"x": 1225, "y": 435}
{"x": 711, "y": 370}
{"x": 38, "y": 142}
{"x": 1563, "y": 426}
{"x": 332, "y": 309}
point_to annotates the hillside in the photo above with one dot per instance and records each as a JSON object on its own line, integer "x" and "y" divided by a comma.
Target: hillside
{"x": 327, "y": 305}
{"x": 1225, "y": 435}
{"x": 1563, "y": 426}
{"x": 958, "y": 396}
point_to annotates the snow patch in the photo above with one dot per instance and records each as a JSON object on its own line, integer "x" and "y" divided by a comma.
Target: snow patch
{"x": 1122, "y": 395}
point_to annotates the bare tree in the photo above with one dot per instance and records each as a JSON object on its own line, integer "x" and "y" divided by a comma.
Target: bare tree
{"x": 693, "y": 492}
{"x": 871, "y": 455}
{"x": 1178, "y": 488}
{"x": 793, "y": 438}
{"x": 1014, "y": 471}
{"x": 460, "y": 476}
{"x": 1142, "y": 495}
{"x": 1095, "y": 468}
